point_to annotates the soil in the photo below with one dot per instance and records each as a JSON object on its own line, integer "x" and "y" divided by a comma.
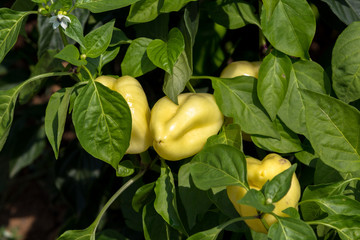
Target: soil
{"x": 31, "y": 213}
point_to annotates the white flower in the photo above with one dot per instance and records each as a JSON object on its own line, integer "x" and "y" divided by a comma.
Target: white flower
{"x": 61, "y": 20}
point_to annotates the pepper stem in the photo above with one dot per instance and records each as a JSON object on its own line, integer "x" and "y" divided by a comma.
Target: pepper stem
{"x": 115, "y": 196}
{"x": 190, "y": 87}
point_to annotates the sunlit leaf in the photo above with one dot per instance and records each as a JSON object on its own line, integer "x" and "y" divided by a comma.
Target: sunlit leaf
{"x": 97, "y": 6}
{"x": 346, "y": 64}
{"x": 11, "y": 22}
{"x": 334, "y": 130}
{"x": 102, "y": 122}
{"x": 218, "y": 166}
{"x": 289, "y": 26}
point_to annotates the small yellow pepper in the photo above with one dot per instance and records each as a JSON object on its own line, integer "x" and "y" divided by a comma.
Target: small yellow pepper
{"x": 258, "y": 173}
{"x": 180, "y": 131}
{"x": 134, "y": 95}
{"x": 241, "y": 68}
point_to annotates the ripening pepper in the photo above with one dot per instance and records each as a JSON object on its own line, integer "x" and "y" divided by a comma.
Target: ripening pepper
{"x": 180, "y": 131}
{"x": 135, "y": 97}
{"x": 241, "y": 68}
{"x": 258, "y": 173}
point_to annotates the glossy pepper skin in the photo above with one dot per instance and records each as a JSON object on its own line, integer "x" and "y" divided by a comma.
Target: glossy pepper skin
{"x": 241, "y": 68}
{"x": 258, "y": 172}
{"x": 180, "y": 131}
{"x": 135, "y": 96}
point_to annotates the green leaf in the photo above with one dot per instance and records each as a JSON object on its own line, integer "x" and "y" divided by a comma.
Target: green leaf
{"x": 347, "y": 11}
{"x": 125, "y": 168}
{"x": 189, "y": 27}
{"x": 11, "y": 22}
{"x": 8, "y": 101}
{"x": 289, "y": 26}
{"x": 211, "y": 234}
{"x": 106, "y": 132}
{"x": 278, "y": 187}
{"x": 274, "y": 74}
{"x": 55, "y": 117}
{"x": 142, "y": 195}
{"x": 311, "y": 210}
{"x": 230, "y": 135}
{"x": 107, "y": 56}
{"x": 175, "y": 84}
{"x": 39, "y": 1}
{"x": 136, "y": 61}
{"x": 165, "y": 54}
{"x": 71, "y": 54}
{"x": 173, "y": 6}
{"x": 155, "y": 227}
{"x": 218, "y": 166}
{"x": 345, "y": 64}
{"x": 232, "y": 14}
{"x": 292, "y": 212}
{"x": 304, "y": 75}
{"x": 219, "y": 197}
{"x": 289, "y": 141}
{"x": 97, "y": 41}
{"x": 346, "y": 226}
{"x": 291, "y": 228}
{"x": 85, "y": 234}
{"x": 326, "y": 174}
{"x": 256, "y": 199}
{"x": 196, "y": 201}
{"x": 338, "y": 205}
{"x": 98, "y": 6}
{"x": 75, "y": 30}
{"x": 339, "y": 145}
{"x": 60, "y": 5}
{"x": 165, "y": 201}
{"x": 307, "y": 155}
{"x": 237, "y": 98}
{"x": 118, "y": 37}
{"x": 143, "y": 11}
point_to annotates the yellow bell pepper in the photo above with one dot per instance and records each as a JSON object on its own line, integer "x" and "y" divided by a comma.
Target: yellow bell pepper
{"x": 180, "y": 131}
{"x": 241, "y": 68}
{"x": 135, "y": 96}
{"x": 258, "y": 173}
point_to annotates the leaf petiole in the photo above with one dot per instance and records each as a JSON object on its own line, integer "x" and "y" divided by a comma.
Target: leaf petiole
{"x": 190, "y": 87}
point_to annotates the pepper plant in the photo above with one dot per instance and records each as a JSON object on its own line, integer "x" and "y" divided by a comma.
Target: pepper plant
{"x": 303, "y": 105}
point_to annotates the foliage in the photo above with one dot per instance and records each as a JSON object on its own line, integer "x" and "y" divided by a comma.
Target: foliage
{"x": 305, "y": 105}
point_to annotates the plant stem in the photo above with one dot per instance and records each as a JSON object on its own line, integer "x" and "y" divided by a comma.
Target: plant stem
{"x": 115, "y": 196}
{"x": 201, "y": 77}
{"x": 190, "y": 87}
{"x": 88, "y": 72}
{"x": 63, "y": 37}
{"x": 266, "y": 225}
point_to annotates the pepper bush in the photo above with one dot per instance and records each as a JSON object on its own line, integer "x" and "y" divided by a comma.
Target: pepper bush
{"x": 304, "y": 105}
